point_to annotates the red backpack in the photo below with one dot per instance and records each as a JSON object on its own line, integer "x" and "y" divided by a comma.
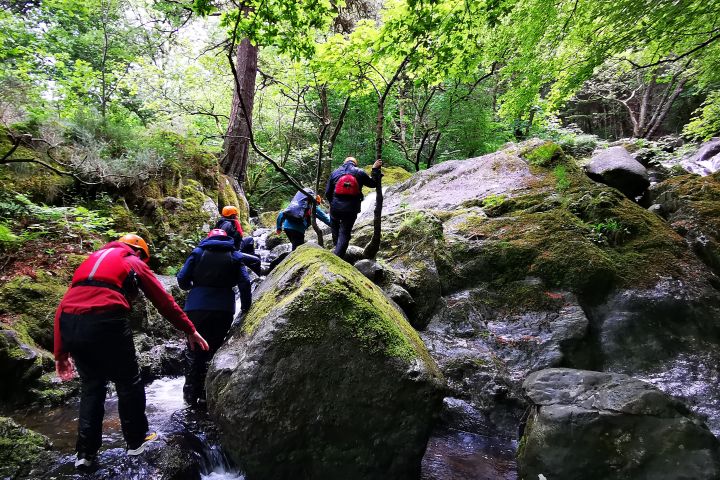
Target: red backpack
{"x": 347, "y": 185}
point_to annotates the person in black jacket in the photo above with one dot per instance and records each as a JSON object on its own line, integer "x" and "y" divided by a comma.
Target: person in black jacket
{"x": 344, "y": 192}
{"x": 210, "y": 273}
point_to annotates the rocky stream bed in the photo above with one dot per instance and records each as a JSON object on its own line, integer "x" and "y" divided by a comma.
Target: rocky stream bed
{"x": 520, "y": 320}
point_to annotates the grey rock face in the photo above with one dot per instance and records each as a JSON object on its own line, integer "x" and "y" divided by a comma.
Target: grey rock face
{"x": 370, "y": 269}
{"x": 485, "y": 354}
{"x": 668, "y": 335}
{"x": 617, "y": 168}
{"x": 595, "y": 425}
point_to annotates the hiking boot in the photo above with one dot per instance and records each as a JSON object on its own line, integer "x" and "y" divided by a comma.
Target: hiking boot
{"x": 134, "y": 450}
{"x": 84, "y": 461}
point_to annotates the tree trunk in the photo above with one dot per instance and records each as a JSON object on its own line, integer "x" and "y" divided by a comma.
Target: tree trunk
{"x": 664, "y": 109}
{"x": 237, "y": 140}
{"x": 372, "y": 248}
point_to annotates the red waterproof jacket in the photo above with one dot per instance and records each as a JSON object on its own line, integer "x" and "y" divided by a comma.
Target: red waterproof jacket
{"x": 107, "y": 281}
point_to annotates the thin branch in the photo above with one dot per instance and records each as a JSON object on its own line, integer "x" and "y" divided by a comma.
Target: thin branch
{"x": 679, "y": 57}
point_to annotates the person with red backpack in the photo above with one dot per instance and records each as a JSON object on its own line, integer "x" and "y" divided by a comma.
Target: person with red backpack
{"x": 92, "y": 326}
{"x": 344, "y": 192}
{"x": 296, "y": 218}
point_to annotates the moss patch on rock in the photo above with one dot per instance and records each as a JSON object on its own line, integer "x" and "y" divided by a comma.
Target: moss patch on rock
{"x": 30, "y": 304}
{"x": 20, "y": 449}
{"x": 391, "y": 176}
{"x": 561, "y": 240}
{"x": 331, "y": 288}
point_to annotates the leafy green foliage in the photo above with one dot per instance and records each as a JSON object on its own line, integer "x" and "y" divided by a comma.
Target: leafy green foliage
{"x": 67, "y": 223}
{"x": 609, "y": 232}
{"x": 706, "y": 123}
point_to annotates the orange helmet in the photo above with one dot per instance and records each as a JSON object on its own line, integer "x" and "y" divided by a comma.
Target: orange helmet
{"x": 137, "y": 242}
{"x": 229, "y": 211}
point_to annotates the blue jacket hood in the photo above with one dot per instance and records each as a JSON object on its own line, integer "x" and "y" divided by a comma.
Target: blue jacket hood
{"x": 218, "y": 243}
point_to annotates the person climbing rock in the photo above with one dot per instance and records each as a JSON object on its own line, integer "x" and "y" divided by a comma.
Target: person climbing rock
{"x": 230, "y": 223}
{"x": 296, "y": 218}
{"x": 344, "y": 192}
{"x": 210, "y": 273}
{"x": 92, "y": 327}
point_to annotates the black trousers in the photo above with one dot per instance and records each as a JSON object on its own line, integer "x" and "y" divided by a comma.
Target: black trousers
{"x": 213, "y": 326}
{"x": 341, "y": 225}
{"x": 103, "y": 350}
{"x": 296, "y": 238}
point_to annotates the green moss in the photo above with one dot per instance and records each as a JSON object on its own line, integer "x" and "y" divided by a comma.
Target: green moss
{"x": 227, "y": 196}
{"x": 546, "y": 155}
{"x": 32, "y": 302}
{"x": 391, "y": 176}
{"x": 20, "y": 449}
{"x": 315, "y": 287}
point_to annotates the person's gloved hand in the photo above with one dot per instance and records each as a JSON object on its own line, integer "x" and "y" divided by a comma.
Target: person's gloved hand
{"x": 65, "y": 369}
{"x": 197, "y": 340}
{"x": 278, "y": 232}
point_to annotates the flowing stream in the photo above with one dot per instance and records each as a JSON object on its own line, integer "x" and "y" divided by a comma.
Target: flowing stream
{"x": 179, "y": 428}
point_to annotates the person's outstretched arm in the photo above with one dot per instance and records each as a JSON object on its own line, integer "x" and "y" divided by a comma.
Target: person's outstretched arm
{"x": 165, "y": 303}
{"x": 322, "y": 216}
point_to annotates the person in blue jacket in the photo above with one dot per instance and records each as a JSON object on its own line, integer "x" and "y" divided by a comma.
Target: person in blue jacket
{"x": 210, "y": 273}
{"x": 295, "y": 220}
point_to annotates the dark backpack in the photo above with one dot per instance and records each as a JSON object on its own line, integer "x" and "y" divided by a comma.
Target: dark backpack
{"x": 298, "y": 208}
{"x": 347, "y": 185}
{"x": 212, "y": 269}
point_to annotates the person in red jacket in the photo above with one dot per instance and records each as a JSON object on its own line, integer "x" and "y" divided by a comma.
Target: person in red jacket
{"x": 92, "y": 326}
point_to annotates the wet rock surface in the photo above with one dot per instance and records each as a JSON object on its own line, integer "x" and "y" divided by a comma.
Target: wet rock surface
{"x": 364, "y": 389}
{"x": 595, "y": 425}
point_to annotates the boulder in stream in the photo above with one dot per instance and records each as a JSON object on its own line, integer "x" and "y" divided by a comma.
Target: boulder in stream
{"x": 617, "y": 168}
{"x": 325, "y": 379}
{"x": 595, "y": 425}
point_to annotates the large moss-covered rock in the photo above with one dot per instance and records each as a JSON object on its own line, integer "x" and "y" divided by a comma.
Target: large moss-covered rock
{"x": 21, "y": 450}
{"x": 595, "y": 425}
{"x": 498, "y": 250}
{"x": 325, "y": 379}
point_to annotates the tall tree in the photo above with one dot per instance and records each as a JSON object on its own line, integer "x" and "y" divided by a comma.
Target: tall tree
{"x": 237, "y": 139}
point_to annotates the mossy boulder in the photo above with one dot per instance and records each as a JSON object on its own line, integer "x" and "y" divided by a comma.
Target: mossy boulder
{"x": 21, "y": 450}
{"x": 325, "y": 378}
{"x": 595, "y": 425}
